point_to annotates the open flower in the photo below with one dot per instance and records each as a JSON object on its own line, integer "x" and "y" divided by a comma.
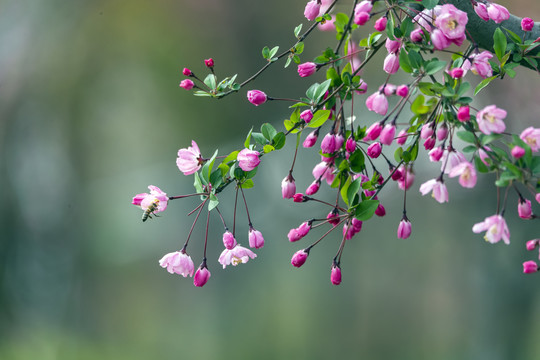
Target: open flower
{"x": 490, "y": 120}
{"x": 466, "y": 172}
{"x": 178, "y": 262}
{"x": 495, "y": 228}
{"x": 531, "y": 137}
{"x": 189, "y": 160}
{"x": 236, "y": 255}
{"x": 451, "y": 21}
{"x": 438, "y": 189}
{"x": 157, "y": 199}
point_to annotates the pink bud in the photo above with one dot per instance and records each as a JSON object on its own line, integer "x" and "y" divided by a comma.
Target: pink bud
{"x": 380, "y": 24}
{"x": 404, "y": 229}
{"x": 435, "y": 154}
{"x": 457, "y": 73}
{"x": 313, "y": 188}
{"x": 293, "y": 235}
{"x": 350, "y": 145}
{"x": 537, "y": 197}
{"x": 201, "y": 276}
{"x": 442, "y": 132}
{"x": 187, "y": 84}
{"x": 429, "y": 143}
{"x": 532, "y": 244}
{"x": 299, "y": 197}
{"x": 209, "y": 62}
{"x": 328, "y": 144}
{"x": 357, "y": 224}
{"x": 374, "y": 150}
{"x": 524, "y": 209}
{"x": 439, "y": 40}
{"x": 187, "y": 72}
{"x": 256, "y": 97}
{"x": 416, "y": 35}
{"x": 391, "y": 63}
{"x": 228, "y": 240}
{"x": 497, "y": 13}
{"x": 299, "y": 258}
{"x": 378, "y": 103}
{"x": 530, "y": 267}
{"x": 427, "y": 131}
{"x": 288, "y": 187}
{"x": 381, "y": 211}
{"x": 387, "y": 134}
{"x": 307, "y": 69}
{"x": 306, "y": 115}
{"x": 312, "y": 10}
{"x": 402, "y": 137}
{"x": 518, "y": 152}
{"x": 396, "y": 175}
{"x": 335, "y": 275}
{"x": 481, "y": 10}
{"x": 361, "y": 18}
{"x": 388, "y": 89}
{"x": 310, "y": 140}
{"x": 527, "y": 24}
{"x": 364, "y": 6}
{"x": 373, "y": 132}
{"x": 402, "y": 90}
{"x": 392, "y": 46}
{"x": 256, "y": 239}
{"x": 463, "y": 114}
{"x": 333, "y": 218}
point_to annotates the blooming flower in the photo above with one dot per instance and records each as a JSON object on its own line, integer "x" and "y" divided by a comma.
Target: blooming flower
{"x": 497, "y": 13}
{"x": 439, "y": 40}
{"x": 156, "y": 197}
{"x": 524, "y": 209}
{"x": 312, "y": 10}
{"x": 189, "y": 160}
{"x": 248, "y": 159}
{"x": 187, "y": 84}
{"x": 451, "y": 21}
{"x": 404, "y": 229}
{"x": 490, "y": 120}
{"x": 323, "y": 171}
{"x": 256, "y": 97}
{"x": 438, "y": 189}
{"x": 466, "y": 172}
{"x": 454, "y": 158}
{"x": 299, "y": 258}
{"x": 531, "y": 137}
{"x": 480, "y": 65}
{"x": 256, "y": 239}
{"x": 495, "y": 228}
{"x": 201, "y": 276}
{"x": 178, "y": 262}
{"x": 307, "y": 69}
{"x": 235, "y": 256}
{"x": 527, "y": 24}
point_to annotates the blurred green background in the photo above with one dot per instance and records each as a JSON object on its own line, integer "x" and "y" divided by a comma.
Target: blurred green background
{"x": 91, "y": 113}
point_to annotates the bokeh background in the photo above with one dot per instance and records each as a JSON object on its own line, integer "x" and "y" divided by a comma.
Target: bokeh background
{"x": 91, "y": 113}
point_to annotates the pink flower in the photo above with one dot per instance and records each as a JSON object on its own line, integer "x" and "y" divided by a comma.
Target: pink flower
{"x": 361, "y": 18}
{"x": 497, "y": 13}
{"x": 300, "y": 232}
{"x": 407, "y": 178}
{"x": 323, "y": 171}
{"x": 391, "y": 63}
{"x": 374, "y": 150}
{"x": 404, "y": 229}
{"x": 235, "y": 256}
{"x": 228, "y": 240}
{"x": 333, "y": 218}
{"x": 256, "y": 97}
{"x": 466, "y": 172}
{"x": 178, "y": 262}
{"x": 530, "y": 267}
{"x": 201, "y": 276}
{"x": 387, "y": 134}
{"x": 527, "y": 24}
{"x": 363, "y": 6}
{"x": 532, "y": 244}
{"x": 524, "y": 209}
{"x": 402, "y": 137}
{"x": 373, "y": 132}
{"x": 435, "y": 154}
{"x": 481, "y": 10}
{"x": 416, "y": 35}
{"x": 327, "y": 25}
{"x": 209, "y": 62}
{"x": 380, "y": 24}
{"x": 307, "y": 69}
{"x": 380, "y": 211}
{"x": 298, "y": 197}
{"x": 312, "y": 10}
{"x": 157, "y": 200}
{"x": 438, "y": 189}
{"x": 439, "y": 40}
{"x": 378, "y": 103}
{"x": 248, "y": 159}
{"x": 480, "y": 65}
{"x": 429, "y": 143}
{"x": 350, "y": 145}
{"x": 427, "y": 131}
{"x": 454, "y": 158}
{"x": 187, "y": 72}
{"x": 442, "y": 132}
{"x": 464, "y": 114}
{"x": 311, "y": 139}
{"x": 313, "y": 188}
{"x": 402, "y": 90}
{"x": 328, "y": 144}
{"x": 495, "y": 228}
{"x": 537, "y": 198}
{"x": 518, "y": 152}
{"x": 306, "y": 115}
{"x": 256, "y": 239}
{"x": 299, "y": 258}
{"x": 288, "y": 187}
{"x": 392, "y": 46}
{"x": 335, "y": 274}
{"x": 189, "y": 160}
{"x": 490, "y": 120}
{"x": 451, "y": 21}
{"x": 187, "y": 84}
{"x": 531, "y": 137}
{"x": 457, "y": 73}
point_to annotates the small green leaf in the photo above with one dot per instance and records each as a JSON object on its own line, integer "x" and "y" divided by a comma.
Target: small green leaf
{"x": 343, "y": 191}
{"x": 248, "y": 184}
{"x": 198, "y": 184}
{"x": 279, "y": 140}
{"x": 483, "y": 84}
{"x": 499, "y": 43}
{"x": 259, "y": 138}
{"x": 488, "y": 139}
{"x": 404, "y": 62}
{"x": 232, "y": 156}
{"x": 273, "y": 52}
{"x": 356, "y": 161}
{"x": 353, "y": 189}
{"x": 321, "y": 90}
{"x": 299, "y": 48}
{"x": 268, "y": 148}
{"x": 297, "y": 30}
{"x": 480, "y": 166}
{"x": 366, "y": 209}
{"x": 211, "y": 81}
{"x": 513, "y": 36}
{"x": 466, "y": 136}
{"x": 319, "y": 118}
{"x": 268, "y": 131}
{"x": 398, "y": 154}
{"x": 434, "y": 66}
{"x": 213, "y": 202}
{"x": 248, "y": 139}
{"x": 266, "y": 52}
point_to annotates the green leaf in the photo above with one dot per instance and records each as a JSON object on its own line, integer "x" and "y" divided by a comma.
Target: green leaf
{"x": 480, "y": 166}
{"x": 390, "y": 27}
{"x": 488, "y": 139}
{"x": 248, "y": 184}
{"x": 415, "y": 59}
{"x": 198, "y": 183}
{"x": 353, "y": 189}
{"x": 266, "y": 52}
{"x": 299, "y": 48}
{"x": 404, "y": 62}
{"x": 268, "y": 148}
{"x": 434, "y": 66}
{"x": 201, "y": 93}
{"x": 430, "y": 4}
{"x": 398, "y": 154}
{"x": 279, "y": 140}
{"x": 418, "y": 107}
{"x": 248, "y": 139}
{"x": 211, "y": 81}
{"x": 469, "y": 149}
{"x": 319, "y": 118}
{"x": 321, "y": 90}
{"x": 207, "y": 168}
{"x": 273, "y": 52}
{"x": 343, "y": 191}
{"x": 288, "y": 62}
{"x": 466, "y": 136}
{"x": 268, "y": 131}
{"x": 513, "y": 36}
{"x": 406, "y": 26}
{"x": 513, "y": 168}
{"x": 535, "y": 166}
{"x": 366, "y": 209}
{"x": 463, "y": 88}
{"x": 499, "y": 43}
{"x": 213, "y": 202}
{"x": 483, "y": 84}
{"x": 259, "y": 138}
{"x": 356, "y": 161}
{"x": 297, "y": 30}
{"x": 232, "y": 156}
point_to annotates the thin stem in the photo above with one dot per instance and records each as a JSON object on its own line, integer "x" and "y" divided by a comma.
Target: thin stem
{"x": 185, "y": 196}
{"x": 193, "y": 225}
{"x": 245, "y": 203}
{"x": 206, "y": 236}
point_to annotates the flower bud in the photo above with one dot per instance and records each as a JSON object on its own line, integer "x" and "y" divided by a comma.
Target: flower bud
{"x": 228, "y": 240}
{"x": 527, "y": 24}
{"x": 333, "y": 218}
{"x": 328, "y": 144}
{"x": 256, "y": 239}
{"x": 209, "y": 62}
{"x": 256, "y": 97}
{"x": 442, "y": 132}
{"x": 463, "y": 114}
{"x": 392, "y": 46}
{"x": 435, "y": 154}
{"x": 380, "y": 24}
{"x": 439, "y": 40}
{"x": 350, "y": 146}
{"x": 391, "y": 63}
{"x": 307, "y": 69}
{"x": 299, "y": 258}
{"x": 306, "y": 115}
{"x": 378, "y": 103}
{"x": 524, "y": 209}
{"x": 497, "y": 13}
{"x": 429, "y": 143}
{"x": 518, "y": 152}
{"x": 374, "y": 150}
{"x": 293, "y": 235}
{"x": 404, "y": 229}
{"x": 537, "y": 197}
{"x": 313, "y": 188}
{"x": 381, "y": 211}
{"x": 299, "y": 197}
{"x": 427, "y": 131}
{"x": 530, "y": 267}
{"x": 357, "y": 224}
{"x": 335, "y": 274}
{"x": 387, "y": 134}
{"x": 373, "y": 132}
{"x": 481, "y": 10}
{"x": 201, "y": 276}
{"x": 457, "y": 73}
{"x": 187, "y": 84}
{"x": 402, "y": 137}
{"x": 187, "y": 72}
{"x": 310, "y": 140}
{"x": 288, "y": 187}
{"x": 402, "y": 90}
{"x": 361, "y": 18}
{"x": 416, "y": 35}
{"x": 312, "y": 10}
{"x": 396, "y": 175}
{"x": 248, "y": 159}
{"x": 532, "y": 244}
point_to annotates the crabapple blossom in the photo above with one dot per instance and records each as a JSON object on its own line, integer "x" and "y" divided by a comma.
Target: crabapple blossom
{"x": 497, "y": 13}
{"x": 438, "y": 189}
{"x": 228, "y": 240}
{"x": 451, "y": 21}
{"x": 466, "y": 172}
{"x": 311, "y": 139}
{"x": 201, "y": 276}
{"x": 524, "y": 209}
{"x": 463, "y": 114}
{"x": 490, "y": 120}
{"x": 380, "y": 24}
{"x": 361, "y": 18}
{"x": 439, "y": 40}
{"x": 532, "y": 244}
{"x": 481, "y": 10}
{"x": 407, "y": 178}
{"x": 392, "y": 46}
{"x": 298, "y": 197}
{"x": 256, "y": 239}
{"x": 402, "y": 90}
{"x": 391, "y": 63}
{"x": 187, "y": 72}
{"x": 495, "y": 228}
{"x": 537, "y": 198}
{"x": 156, "y": 196}
{"x": 451, "y": 159}
{"x": 299, "y": 258}
{"x": 374, "y": 150}
{"x": 306, "y": 115}
{"x": 442, "y": 132}
{"x": 387, "y": 134}
{"x": 373, "y": 132}
{"x": 312, "y": 10}
{"x": 378, "y": 103}
{"x": 187, "y": 84}
{"x": 178, "y": 262}
{"x": 416, "y": 35}
{"x": 307, "y": 69}
{"x": 435, "y": 154}
{"x": 236, "y": 255}
{"x": 517, "y": 152}
{"x": 288, "y": 187}
{"x": 527, "y": 24}
{"x": 333, "y": 218}
{"x": 189, "y": 160}
{"x": 350, "y": 145}
{"x": 248, "y": 159}
{"x": 530, "y": 267}
{"x": 256, "y": 97}
{"x": 313, "y": 188}
{"x": 335, "y": 275}
{"x": 404, "y": 229}
{"x": 402, "y": 137}
{"x": 480, "y": 65}
{"x": 457, "y": 73}
{"x": 427, "y": 131}
{"x": 380, "y": 211}
{"x": 531, "y": 136}
{"x": 429, "y": 143}
{"x": 209, "y": 62}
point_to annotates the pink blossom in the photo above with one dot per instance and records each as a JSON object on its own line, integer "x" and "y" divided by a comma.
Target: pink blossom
{"x": 299, "y": 258}
{"x": 438, "y": 189}
{"x": 209, "y": 62}
{"x": 402, "y": 90}
{"x": 396, "y": 175}
{"x": 312, "y": 10}
{"x": 327, "y": 25}
{"x": 429, "y": 143}
{"x": 187, "y": 84}
{"x": 481, "y": 10}
{"x": 407, "y": 179}
{"x": 532, "y": 244}
{"x": 490, "y": 120}
{"x": 483, "y": 155}
{"x": 248, "y": 159}
{"x": 527, "y": 24}
{"x": 201, "y": 276}
{"x": 156, "y": 198}
{"x": 435, "y": 154}
{"x": 537, "y": 198}
{"x": 466, "y": 172}
{"x": 531, "y": 136}
{"x": 442, "y": 132}
{"x": 451, "y": 159}
{"x": 311, "y": 139}
{"x": 363, "y": 6}
{"x": 380, "y": 24}
{"x": 402, "y": 137}
{"x": 298, "y": 197}
{"x": 530, "y": 267}
{"x": 189, "y": 160}
{"x": 416, "y": 35}
{"x": 388, "y": 89}
{"x": 228, "y": 240}
{"x": 313, "y": 188}
{"x": 235, "y": 256}
{"x": 333, "y": 218}
{"x": 480, "y": 65}
{"x": 391, "y": 63}
{"x": 497, "y": 13}
{"x": 392, "y": 46}
{"x": 256, "y": 97}
{"x": 374, "y": 150}
{"x": 299, "y": 232}
{"x": 307, "y": 69}
{"x": 378, "y": 103}
{"x": 427, "y": 131}
{"x": 524, "y": 209}
{"x": 464, "y": 114}
{"x": 373, "y": 132}
{"x": 256, "y": 239}
{"x": 495, "y": 228}
{"x": 350, "y": 145}
{"x": 335, "y": 275}
{"x": 451, "y": 21}
{"x": 387, "y": 134}
{"x": 353, "y": 228}
{"x": 328, "y": 144}
{"x": 323, "y": 171}
{"x": 518, "y": 152}
{"x": 439, "y": 40}
{"x": 306, "y": 115}
{"x": 361, "y": 18}
{"x": 380, "y": 211}
{"x": 187, "y": 72}
{"x": 457, "y": 73}
{"x": 404, "y": 229}
{"x": 288, "y": 187}
{"x": 178, "y": 262}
